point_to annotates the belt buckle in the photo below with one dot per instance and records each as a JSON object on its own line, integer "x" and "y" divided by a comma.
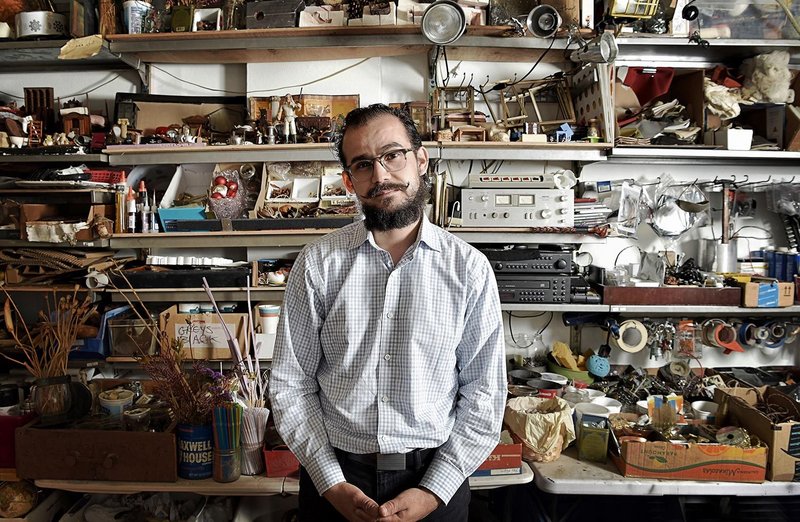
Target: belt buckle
{"x": 391, "y": 462}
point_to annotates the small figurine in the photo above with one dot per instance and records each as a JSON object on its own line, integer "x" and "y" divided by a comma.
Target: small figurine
{"x": 288, "y": 113}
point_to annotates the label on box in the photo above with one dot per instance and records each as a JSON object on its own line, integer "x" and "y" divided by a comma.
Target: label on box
{"x": 200, "y": 334}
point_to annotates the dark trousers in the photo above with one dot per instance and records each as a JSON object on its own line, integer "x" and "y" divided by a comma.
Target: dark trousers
{"x": 381, "y": 486}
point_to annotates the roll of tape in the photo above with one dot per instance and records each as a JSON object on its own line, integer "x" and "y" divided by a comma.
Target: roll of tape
{"x": 96, "y": 280}
{"x": 632, "y": 336}
{"x": 747, "y": 334}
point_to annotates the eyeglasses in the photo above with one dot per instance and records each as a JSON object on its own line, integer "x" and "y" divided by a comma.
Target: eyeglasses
{"x": 391, "y": 161}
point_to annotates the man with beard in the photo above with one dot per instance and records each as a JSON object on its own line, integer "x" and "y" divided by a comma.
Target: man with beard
{"x": 388, "y": 379}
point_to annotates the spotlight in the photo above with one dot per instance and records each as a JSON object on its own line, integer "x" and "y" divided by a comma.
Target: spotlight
{"x": 543, "y": 21}
{"x": 443, "y": 22}
{"x": 602, "y": 49}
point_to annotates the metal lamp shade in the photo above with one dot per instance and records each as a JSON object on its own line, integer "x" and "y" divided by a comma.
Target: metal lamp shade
{"x": 443, "y": 22}
{"x": 600, "y": 50}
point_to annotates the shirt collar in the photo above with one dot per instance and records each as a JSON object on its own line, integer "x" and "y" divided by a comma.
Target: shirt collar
{"x": 427, "y": 234}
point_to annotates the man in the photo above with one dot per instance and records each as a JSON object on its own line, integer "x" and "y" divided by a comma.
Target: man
{"x": 388, "y": 379}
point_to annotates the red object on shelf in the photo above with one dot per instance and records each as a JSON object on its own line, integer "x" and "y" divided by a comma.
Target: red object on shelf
{"x": 281, "y": 462}
{"x": 9, "y": 423}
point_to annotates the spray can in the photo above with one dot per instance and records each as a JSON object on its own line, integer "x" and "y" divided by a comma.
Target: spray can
{"x": 154, "y": 215}
{"x": 131, "y": 211}
{"x": 790, "y": 268}
{"x": 780, "y": 263}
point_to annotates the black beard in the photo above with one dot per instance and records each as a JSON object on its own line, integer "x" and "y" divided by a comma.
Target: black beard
{"x": 382, "y": 219}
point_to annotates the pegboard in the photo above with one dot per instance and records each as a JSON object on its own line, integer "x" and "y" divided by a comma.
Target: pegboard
{"x": 593, "y": 95}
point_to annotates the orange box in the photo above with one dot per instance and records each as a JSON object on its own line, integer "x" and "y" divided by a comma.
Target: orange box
{"x": 281, "y": 462}
{"x": 505, "y": 459}
{"x": 714, "y": 462}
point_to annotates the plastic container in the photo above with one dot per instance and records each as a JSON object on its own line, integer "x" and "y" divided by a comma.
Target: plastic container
{"x": 130, "y": 336}
{"x": 114, "y": 402}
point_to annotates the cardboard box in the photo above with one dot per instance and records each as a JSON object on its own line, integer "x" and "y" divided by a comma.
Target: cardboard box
{"x": 729, "y": 139}
{"x": 203, "y": 334}
{"x": 88, "y": 454}
{"x": 762, "y": 292}
{"x": 783, "y": 439}
{"x": 715, "y": 462}
{"x": 505, "y": 459}
{"x": 77, "y": 218}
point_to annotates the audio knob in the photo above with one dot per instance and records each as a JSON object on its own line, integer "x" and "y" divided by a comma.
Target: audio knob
{"x": 561, "y": 264}
{"x": 563, "y": 211}
{"x": 498, "y": 266}
{"x": 546, "y": 213}
{"x": 494, "y": 214}
{"x": 563, "y": 198}
{"x": 484, "y": 198}
{"x": 506, "y": 215}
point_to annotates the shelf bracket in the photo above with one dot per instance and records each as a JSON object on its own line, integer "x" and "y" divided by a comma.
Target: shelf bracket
{"x": 134, "y": 62}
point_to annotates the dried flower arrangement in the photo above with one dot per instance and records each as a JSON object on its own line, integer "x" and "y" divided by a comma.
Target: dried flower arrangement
{"x": 45, "y": 349}
{"x": 192, "y": 396}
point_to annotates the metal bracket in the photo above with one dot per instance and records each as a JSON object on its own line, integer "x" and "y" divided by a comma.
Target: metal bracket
{"x": 142, "y": 68}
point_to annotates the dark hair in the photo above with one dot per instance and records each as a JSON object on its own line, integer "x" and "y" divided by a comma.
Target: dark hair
{"x": 363, "y": 115}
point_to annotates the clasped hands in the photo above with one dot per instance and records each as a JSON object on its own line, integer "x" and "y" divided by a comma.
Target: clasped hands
{"x": 353, "y": 504}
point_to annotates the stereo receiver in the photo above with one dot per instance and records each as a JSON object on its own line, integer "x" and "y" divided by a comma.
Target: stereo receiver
{"x": 533, "y": 288}
{"x": 517, "y": 208}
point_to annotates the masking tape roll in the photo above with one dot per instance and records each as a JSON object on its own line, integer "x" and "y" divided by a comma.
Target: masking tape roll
{"x": 632, "y": 336}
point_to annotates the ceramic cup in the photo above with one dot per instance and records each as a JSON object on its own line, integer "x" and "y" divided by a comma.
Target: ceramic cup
{"x": 268, "y": 318}
{"x": 705, "y": 410}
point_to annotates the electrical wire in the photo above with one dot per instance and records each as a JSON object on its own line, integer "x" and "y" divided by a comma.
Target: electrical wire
{"x": 116, "y": 77}
{"x": 616, "y": 259}
{"x": 248, "y": 93}
{"x": 539, "y": 332}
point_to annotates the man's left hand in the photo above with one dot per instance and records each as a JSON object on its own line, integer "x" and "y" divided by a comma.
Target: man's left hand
{"x": 411, "y": 504}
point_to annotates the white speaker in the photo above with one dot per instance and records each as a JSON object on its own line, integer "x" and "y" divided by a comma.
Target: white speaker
{"x": 543, "y": 21}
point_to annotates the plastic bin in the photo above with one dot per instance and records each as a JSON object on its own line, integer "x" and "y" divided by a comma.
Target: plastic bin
{"x": 130, "y": 336}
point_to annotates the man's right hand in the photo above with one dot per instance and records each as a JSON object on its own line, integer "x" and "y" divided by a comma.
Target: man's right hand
{"x": 351, "y": 502}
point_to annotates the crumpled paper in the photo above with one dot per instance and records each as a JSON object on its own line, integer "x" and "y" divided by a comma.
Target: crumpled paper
{"x": 544, "y": 426}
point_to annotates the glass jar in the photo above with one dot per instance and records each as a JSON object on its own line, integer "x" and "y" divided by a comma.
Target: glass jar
{"x": 51, "y": 396}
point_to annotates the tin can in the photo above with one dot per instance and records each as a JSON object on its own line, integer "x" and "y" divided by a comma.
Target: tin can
{"x": 769, "y": 258}
{"x": 195, "y": 451}
{"x": 790, "y": 268}
{"x": 780, "y": 263}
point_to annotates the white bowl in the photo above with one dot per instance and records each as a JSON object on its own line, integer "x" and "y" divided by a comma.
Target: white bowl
{"x": 641, "y": 407}
{"x": 613, "y": 405}
{"x": 593, "y": 394}
{"x": 555, "y": 377}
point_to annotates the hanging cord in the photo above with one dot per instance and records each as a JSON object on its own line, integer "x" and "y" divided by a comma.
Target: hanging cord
{"x": 511, "y": 328}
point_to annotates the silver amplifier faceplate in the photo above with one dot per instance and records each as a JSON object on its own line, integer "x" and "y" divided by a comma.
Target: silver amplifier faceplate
{"x": 517, "y": 208}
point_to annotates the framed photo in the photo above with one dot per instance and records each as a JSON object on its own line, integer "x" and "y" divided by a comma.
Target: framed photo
{"x": 266, "y": 103}
{"x": 333, "y": 106}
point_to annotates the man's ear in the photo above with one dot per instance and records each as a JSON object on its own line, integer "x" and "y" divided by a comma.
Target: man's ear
{"x": 422, "y": 160}
{"x": 348, "y": 183}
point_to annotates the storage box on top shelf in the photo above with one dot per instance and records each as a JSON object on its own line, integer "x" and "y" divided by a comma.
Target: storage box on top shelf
{"x": 61, "y": 223}
{"x": 687, "y": 461}
{"x": 782, "y": 438}
{"x": 202, "y": 334}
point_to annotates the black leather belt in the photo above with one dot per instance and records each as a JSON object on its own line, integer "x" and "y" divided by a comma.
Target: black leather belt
{"x": 413, "y": 460}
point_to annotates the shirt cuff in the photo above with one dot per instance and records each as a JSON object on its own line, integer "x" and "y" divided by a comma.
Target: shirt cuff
{"x": 442, "y": 479}
{"x": 324, "y": 471}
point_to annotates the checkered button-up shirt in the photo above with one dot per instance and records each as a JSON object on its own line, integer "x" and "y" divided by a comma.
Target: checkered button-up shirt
{"x": 376, "y": 358}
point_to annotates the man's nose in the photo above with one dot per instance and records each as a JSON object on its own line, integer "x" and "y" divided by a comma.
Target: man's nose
{"x": 379, "y": 172}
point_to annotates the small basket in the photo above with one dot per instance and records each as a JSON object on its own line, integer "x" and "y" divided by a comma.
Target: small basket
{"x": 105, "y": 176}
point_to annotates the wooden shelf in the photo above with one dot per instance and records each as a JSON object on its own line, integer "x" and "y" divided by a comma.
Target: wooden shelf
{"x": 245, "y": 486}
{"x": 8, "y": 474}
{"x": 255, "y": 238}
{"x": 485, "y": 43}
